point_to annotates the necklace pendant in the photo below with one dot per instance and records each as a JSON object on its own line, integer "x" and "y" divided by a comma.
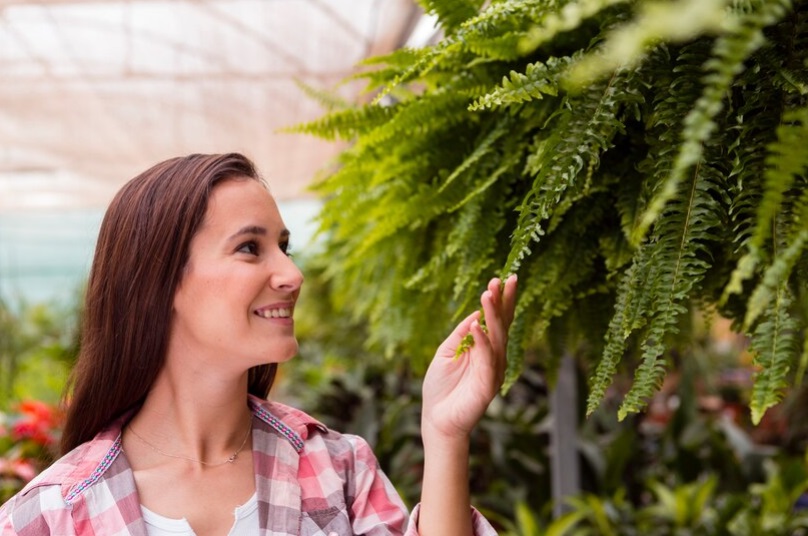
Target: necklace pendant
{"x": 232, "y": 458}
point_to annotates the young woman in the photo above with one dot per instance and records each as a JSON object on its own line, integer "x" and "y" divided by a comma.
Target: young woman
{"x": 189, "y": 310}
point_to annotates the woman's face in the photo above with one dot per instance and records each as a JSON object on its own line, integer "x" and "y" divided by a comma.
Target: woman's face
{"x": 235, "y": 302}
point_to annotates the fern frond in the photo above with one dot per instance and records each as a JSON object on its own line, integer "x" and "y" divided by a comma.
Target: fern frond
{"x": 573, "y": 253}
{"x": 585, "y": 128}
{"x": 496, "y": 21}
{"x": 504, "y": 47}
{"x": 510, "y": 161}
{"x": 668, "y": 22}
{"x": 556, "y": 21}
{"x": 424, "y": 63}
{"x": 539, "y": 79}
{"x": 681, "y": 252}
{"x": 630, "y": 306}
{"x": 345, "y": 124}
{"x": 730, "y": 51}
{"x": 775, "y": 277}
{"x": 379, "y": 71}
{"x": 481, "y": 251}
{"x": 417, "y": 116}
{"x": 329, "y": 100}
{"x": 773, "y": 345}
{"x": 485, "y": 146}
{"x": 802, "y": 364}
{"x": 451, "y": 13}
{"x": 786, "y": 159}
{"x": 515, "y": 352}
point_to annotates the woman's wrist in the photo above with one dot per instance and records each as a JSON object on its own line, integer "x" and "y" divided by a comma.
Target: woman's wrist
{"x": 445, "y": 503}
{"x": 440, "y": 441}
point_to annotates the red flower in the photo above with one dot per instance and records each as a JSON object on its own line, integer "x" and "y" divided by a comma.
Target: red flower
{"x": 37, "y": 423}
{"x": 38, "y": 410}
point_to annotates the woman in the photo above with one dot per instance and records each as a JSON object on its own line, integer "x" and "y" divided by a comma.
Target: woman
{"x": 189, "y": 311}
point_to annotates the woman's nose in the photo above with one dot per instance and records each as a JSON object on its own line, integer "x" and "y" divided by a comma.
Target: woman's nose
{"x": 286, "y": 275}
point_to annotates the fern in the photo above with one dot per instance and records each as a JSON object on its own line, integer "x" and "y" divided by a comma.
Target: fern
{"x": 539, "y": 79}
{"x": 345, "y": 124}
{"x": 451, "y": 13}
{"x": 562, "y": 20}
{"x": 681, "y": 246}
{"x": 584, "y": 130}
{"x": 627, "y": 45}
{"x": 730, "y": 52}
{"x": 610, "y": 154}
{"x": 775, "y": 277}
{"x": 483, "y": 148}
{"x": 633, "y": 307}
{"x": 785, "y": 160}
{"x": 802, "y": 365}
{"x": 773, "y": 343}
{"x": 496, "y": 20}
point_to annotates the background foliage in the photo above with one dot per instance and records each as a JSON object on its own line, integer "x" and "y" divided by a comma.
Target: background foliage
{"x": 693, "y": 463}
{"x": 38, "y": 345}
{"x": 632, "y": 161}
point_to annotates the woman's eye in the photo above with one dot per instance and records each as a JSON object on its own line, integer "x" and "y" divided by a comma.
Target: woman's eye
{"x": 286, "y": 247}
{"x": 250, "y": 248}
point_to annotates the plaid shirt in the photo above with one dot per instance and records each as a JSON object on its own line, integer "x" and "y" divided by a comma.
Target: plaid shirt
{"x": 309, "y": 481}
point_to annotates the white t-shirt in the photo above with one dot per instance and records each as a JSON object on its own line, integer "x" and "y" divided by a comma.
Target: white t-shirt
{"x": 245, "y": 524}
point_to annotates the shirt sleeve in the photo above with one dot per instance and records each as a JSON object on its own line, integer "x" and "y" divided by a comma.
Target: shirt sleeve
{"x": 479, "y": 523}
{"x": 6, "y": 529}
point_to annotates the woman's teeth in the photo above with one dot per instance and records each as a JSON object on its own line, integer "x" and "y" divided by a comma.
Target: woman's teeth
{"x": 283, "y": 312}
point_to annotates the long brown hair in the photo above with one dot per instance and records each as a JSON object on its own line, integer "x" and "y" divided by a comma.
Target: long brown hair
{"x": 142, "y": 249}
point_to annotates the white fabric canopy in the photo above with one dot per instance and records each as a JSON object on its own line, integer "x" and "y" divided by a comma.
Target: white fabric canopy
{"x": 93, "y": 92}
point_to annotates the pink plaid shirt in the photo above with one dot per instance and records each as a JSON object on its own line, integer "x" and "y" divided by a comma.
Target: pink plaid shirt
{"x": 309, "y": 481}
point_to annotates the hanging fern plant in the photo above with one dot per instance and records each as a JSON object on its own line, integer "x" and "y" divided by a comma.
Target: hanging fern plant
{"x": 632, "y": 161}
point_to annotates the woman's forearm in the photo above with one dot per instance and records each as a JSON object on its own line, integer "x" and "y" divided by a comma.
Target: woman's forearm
{"x": 445, "y": 503}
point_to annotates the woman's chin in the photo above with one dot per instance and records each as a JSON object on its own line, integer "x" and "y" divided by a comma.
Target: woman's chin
{"x": 281, "y": 355}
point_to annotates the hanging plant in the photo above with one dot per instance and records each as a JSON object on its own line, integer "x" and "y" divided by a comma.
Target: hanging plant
{"x": 632, "y": 161}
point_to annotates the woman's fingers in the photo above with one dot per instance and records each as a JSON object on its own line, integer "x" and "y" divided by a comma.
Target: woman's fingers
{"x": 509, "y": 299}
{"x": 498, "y": 303}
{"x": 491, "y": 365}
{"x": 498, "y": 307}
{"x": 449, "y": 346}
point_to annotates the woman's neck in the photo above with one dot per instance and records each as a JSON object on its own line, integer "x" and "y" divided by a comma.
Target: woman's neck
{"x": 198, "y": 416}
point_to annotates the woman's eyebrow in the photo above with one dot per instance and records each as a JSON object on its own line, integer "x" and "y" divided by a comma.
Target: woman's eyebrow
{"x": 249, "y": 230}
{"x": 257, "y": 230}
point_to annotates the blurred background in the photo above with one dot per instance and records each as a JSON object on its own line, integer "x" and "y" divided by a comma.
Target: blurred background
{"x": 93, "y": 93}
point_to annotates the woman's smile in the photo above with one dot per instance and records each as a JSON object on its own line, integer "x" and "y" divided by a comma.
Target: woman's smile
{"x": 274, "y": 312}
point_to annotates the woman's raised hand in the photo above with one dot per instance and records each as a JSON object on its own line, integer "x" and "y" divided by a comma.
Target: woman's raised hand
{"x": 458, "y": 391}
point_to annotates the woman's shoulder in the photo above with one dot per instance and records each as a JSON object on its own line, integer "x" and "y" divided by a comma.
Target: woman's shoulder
{"x": 45, "y": 500}
{"x": 307, "y": 433}
{"x": 60, "y": 483}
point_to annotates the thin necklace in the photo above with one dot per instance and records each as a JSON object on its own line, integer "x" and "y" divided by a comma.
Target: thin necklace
{"x": 231, "y": 459}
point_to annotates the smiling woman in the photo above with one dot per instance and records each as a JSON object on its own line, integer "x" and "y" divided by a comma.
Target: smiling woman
{"x": 189, "y": 310}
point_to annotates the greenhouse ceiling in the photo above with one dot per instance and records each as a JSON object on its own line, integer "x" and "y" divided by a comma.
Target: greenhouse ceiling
{"x": 93, "y": 92}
